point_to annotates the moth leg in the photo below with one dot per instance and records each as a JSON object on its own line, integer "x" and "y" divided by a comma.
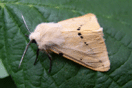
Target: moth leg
{"x": 50, "y": 58}
{"x": 36, "y": 56}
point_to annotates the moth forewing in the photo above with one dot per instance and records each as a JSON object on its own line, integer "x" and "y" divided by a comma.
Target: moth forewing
{"x": 84, "y": 42}
{"x": 79, "y": 39}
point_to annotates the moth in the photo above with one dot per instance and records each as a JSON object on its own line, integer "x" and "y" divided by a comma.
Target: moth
{"x": 79, "y": 39}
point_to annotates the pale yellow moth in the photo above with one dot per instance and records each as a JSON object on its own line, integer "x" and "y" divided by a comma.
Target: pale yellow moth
{"x": 79, "y": 39}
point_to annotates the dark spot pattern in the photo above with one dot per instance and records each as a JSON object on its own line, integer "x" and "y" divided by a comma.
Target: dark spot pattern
{"x": 78, "y": 29}
{"x": 80, "y": 58}
{"x": 79, "y": 34}
{"x": 85, "y": 43}
{"x": 61, "y": 54}
{"x": 81, "y": 37}
{"x": 100, "y": 61}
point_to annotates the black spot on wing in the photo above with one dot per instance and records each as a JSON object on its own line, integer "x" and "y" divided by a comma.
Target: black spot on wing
{"x": 61, "y": 54}
{"x": 78, "y": 29}
{"x": 100, "y": 61}
{"x": 80, "y": 58}
{"x": 81, "y": 37}
{"x": 85, "y": 43}
{"x": 79, "y": 34}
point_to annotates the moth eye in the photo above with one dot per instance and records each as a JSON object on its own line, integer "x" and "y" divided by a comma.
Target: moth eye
{"x": 34, "y": 41}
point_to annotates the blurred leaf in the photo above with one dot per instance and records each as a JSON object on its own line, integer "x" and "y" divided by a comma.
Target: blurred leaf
{"x": 115, "y": 18}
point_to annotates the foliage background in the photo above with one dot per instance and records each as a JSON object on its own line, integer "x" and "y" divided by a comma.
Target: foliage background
{"x": 114, "y": 16}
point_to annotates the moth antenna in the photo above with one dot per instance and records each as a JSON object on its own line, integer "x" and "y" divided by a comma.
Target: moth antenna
{"x": 24, "y": 52}
{"x": 25, "y": 24}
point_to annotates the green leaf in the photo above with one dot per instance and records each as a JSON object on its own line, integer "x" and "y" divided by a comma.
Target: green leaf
{"x": 3, "y": 72}
{"x": 115, "y": 18}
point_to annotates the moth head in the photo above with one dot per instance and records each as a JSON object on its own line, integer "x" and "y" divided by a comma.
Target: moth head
{"x": 34, "y": 36}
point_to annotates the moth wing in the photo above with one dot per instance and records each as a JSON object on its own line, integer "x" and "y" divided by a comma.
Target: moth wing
{"x": 84, "y": 43}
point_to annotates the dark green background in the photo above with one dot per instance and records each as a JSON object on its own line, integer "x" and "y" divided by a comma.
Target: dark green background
{"x": 115, "y": 16}
{"x": 7, "y": 83}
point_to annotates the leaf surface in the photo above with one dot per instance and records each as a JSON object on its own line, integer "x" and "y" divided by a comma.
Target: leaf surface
{"x": 115, "y": 18}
